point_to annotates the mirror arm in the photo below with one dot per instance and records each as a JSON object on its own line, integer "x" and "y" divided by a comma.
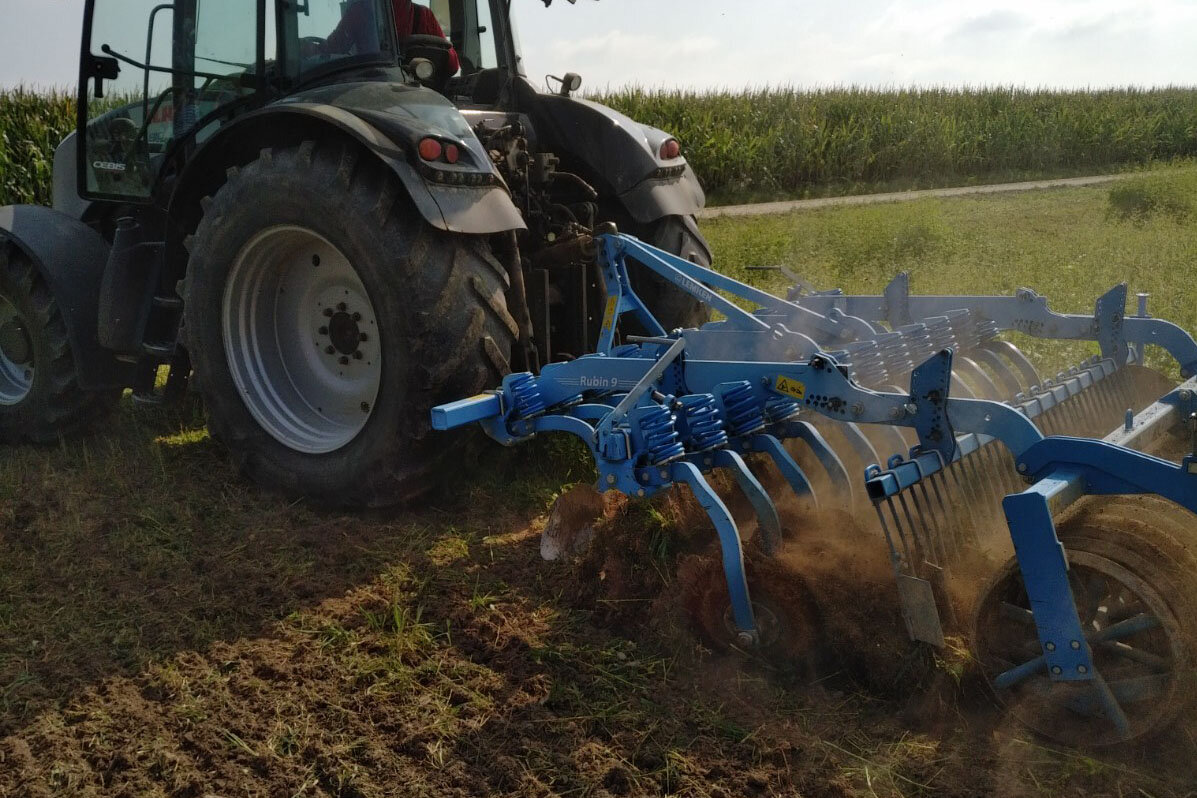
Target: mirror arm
{"x": 167, "y": 70}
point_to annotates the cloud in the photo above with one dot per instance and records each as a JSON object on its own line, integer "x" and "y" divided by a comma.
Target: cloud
{"x": 1000, "y": 21}
{"x": 1101, "y": 27}
{"x": 616, "y": 44}
{"x": 620, "y": 58}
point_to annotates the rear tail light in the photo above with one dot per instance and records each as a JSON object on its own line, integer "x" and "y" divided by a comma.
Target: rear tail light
{"x": 431, "y": 150}
{"x": 670, "y": 149}
{"x": 452, "y": 154}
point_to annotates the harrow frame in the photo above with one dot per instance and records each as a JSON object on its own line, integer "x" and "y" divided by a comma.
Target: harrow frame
{"x": 670, "y": 407}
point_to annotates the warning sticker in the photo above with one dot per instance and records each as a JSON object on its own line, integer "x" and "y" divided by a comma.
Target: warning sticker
{"x": 789, "y": 387}
{"x": 609, "y": 315}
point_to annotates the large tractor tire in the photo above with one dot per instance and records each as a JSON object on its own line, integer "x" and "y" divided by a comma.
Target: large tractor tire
{"x": 325, "y": 318}
{"x": 673, "y": 307}
{"x": 40, "y": 398}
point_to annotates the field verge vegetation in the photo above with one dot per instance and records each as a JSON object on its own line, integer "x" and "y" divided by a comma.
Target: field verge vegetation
{"x": 789, "y": 142}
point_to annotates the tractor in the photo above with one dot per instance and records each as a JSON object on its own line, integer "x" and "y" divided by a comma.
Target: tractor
{"x": 325, "y": 236}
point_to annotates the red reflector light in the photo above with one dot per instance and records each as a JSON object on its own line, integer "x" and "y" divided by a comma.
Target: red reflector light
{"x": 430, "y": 150}
{"x": 670, "y": 149}
{"x": 452, "y": 154}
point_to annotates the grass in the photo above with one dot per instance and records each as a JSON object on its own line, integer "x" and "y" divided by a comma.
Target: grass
{"x": 1070, "y": 245}
{"x": 788, "y": 142}
{"x": 168, "y": 629}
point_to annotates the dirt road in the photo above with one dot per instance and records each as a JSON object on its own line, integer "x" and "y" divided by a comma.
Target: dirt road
{"x": 768, "y": 208}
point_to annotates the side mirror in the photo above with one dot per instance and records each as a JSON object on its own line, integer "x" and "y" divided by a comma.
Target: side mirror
{"x": 570, "y": 83}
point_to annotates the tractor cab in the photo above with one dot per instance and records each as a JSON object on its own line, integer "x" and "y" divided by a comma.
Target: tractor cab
{"x": 158, "y": 78}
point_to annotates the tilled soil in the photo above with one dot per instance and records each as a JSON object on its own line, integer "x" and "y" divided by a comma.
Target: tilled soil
{"x": 220, "y": 642}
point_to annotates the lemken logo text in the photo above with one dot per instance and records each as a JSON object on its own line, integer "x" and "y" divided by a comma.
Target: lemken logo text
{"x": 697, "y": 290}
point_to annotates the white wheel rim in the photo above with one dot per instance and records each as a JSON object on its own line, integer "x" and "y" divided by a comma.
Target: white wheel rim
{"x": 302, "y": 339}
{"x": 16, "y": 355}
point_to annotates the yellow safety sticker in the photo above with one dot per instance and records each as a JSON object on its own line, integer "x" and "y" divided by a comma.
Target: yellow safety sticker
{"x": 609, "y": 315}
{"x": 789, "y": 387}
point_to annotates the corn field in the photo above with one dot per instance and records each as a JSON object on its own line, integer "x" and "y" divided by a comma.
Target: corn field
{"x": 31, "y": 127}
{"x": 789, "y": 142}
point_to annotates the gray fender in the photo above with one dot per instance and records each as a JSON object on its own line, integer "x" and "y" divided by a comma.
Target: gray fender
{"x": 655, "y": 199}
{"x": 477, "y": 211}
{"x": 71, "y": 257}
{"x": 620, "y": 153}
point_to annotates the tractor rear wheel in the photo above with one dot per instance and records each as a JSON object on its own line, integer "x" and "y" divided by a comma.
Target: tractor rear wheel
{"x": 325, "y": 318}
{"x": 673, "y": 307}
{"x": 40, "y": 399}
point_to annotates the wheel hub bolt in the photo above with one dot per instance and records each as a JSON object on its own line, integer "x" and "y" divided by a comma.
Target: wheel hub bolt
{"x": 328, "y": 312}
{"x": 363, "y": 338}
{"x": 357, "y": 317}
{"x": 365, "y": 407}
{"x": 357, "y": 355}
{"x": 341, "y": 306}
{"x": 344, "y": 361}
{"x": 323, "y": 331}
{"x": 332, "y": 350}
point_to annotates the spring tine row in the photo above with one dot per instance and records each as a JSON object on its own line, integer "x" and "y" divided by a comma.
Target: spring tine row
{"x": 766, "y": 511}
{"x": 827, "y": 457}
{"x": 790, "y": 470}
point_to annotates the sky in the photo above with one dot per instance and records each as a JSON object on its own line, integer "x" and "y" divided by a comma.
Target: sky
{"x": 703, "y": 44}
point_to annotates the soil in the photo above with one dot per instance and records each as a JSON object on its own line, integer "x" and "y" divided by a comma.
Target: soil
{"x": 226, "y": 643}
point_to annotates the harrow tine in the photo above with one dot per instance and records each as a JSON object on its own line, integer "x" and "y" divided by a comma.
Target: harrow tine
{"x": 729, "y": 542}
{"x": 888, "y": 439}
{"x": 1090, "y": 413}
{"x": 979, "y": 379}
{"x": 985, "y": 486}
{"x": 766, "y": 511}
{"x": 1063, "y": 390}
{"x": 1105, "y": 394}
{"x": 831, "y": 462}
{"x": 893, "y": 511}
{"x": 920, "y": 550}
{"x": 793, "y": 473}
{"x": 1126, "y": 392}
{"x": 1070, "y": 420}
{"x": 931, "y": 531}
{"x": 1029, "y": 375}
{"x": 1010, "y": 384}
{"x": 969, "y": 500}
{"x": 950, "y": 527}
{"x": 859, "y": 443}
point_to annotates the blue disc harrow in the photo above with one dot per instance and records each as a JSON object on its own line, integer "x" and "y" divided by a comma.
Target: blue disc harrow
{"x": 956, "y": 435}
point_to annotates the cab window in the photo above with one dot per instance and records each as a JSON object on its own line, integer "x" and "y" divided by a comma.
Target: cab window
{"x": 330, "y": 33}
{"x": 175, "y": 66}
{"x": 468, "y": 24}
